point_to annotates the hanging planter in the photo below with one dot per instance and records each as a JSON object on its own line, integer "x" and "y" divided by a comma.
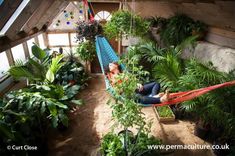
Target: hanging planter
{"x": 88, "y": 30}
{"x": 164, "y": 114}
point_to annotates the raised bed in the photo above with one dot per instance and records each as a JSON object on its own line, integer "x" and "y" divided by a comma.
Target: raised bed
{"x": 164, "y": 114}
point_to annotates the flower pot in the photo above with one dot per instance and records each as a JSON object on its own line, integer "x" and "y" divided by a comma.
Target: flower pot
{"x": 201, "y": 131}
{"x": 164, "y": 119}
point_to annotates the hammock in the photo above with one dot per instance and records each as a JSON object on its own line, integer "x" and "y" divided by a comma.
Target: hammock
{"x": 107, "y": 55}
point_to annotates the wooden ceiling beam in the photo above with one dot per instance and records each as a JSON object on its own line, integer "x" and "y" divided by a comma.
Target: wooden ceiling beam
{"x": 7, "y": 44}
{"x": 22, "y": 19}
{"x": 35, "y": 17}
{"x": 7, "y": 9}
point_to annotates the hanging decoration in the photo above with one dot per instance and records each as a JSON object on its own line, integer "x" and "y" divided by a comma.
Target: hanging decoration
{"x": 90, "y": 11}
{"x": 68, "y": 17}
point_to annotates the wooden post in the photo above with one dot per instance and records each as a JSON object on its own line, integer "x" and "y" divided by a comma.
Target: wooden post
{"x": 26, "y": 50}
{"x": 36, "y": 40}
{"x": 70, "y": 42}
{"x": 10, "y": 57}
{"x": 45, "y": 39}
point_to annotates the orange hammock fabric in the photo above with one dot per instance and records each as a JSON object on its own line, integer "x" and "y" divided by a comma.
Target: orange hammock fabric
{"x": 189, "y": 95}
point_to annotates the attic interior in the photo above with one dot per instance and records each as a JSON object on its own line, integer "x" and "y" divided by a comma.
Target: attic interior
{"x": 117, "y": 77}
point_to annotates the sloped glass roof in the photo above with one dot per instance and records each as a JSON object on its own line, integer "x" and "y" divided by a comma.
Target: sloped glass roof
{"x": 1, "y": 1}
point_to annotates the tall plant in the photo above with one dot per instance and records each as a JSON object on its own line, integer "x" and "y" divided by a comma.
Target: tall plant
{"x": 39, "y": 69}
{"x": 127, "y": 112}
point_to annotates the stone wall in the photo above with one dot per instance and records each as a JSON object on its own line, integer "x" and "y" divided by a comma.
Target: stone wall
{"x": 223, "y": 58}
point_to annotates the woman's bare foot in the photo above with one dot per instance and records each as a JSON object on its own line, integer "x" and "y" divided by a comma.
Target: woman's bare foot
{"x": 165, "y": 97}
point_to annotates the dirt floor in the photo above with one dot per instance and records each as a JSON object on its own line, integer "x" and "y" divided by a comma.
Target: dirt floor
{"x": 94, "y": 120}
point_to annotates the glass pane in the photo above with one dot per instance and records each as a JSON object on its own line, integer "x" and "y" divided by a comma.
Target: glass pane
{"x": 18, "y": 53}
{"x": 30, "y": 44}
{"x": 58, "y": 39}
{"x": 41, "y": 42}
{"x": 4, "y": 65}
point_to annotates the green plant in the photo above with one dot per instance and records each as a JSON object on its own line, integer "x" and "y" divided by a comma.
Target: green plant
{"x": 125, "y": 23}
{"x": 86, "y": 50}
{"x": 39, "y": 69}
{"x": 164, "y": 111}
{"x": 178, "y": 28}
{"x": 112, "y": 146}
{"x": 88, "y": 30}
{"x": 125, "y": 109}
{"x": 72, "y": 72}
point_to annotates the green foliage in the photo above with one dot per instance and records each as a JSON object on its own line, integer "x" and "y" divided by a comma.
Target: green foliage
{"x": 88, "y": 30}
{"x": 112, "y": 146}
{"x": 180, "y": 27}
{"x": 38, "y": 69}
{"x": 164, "y": 111}
{"x": 126, "y": 111}
{"x": 125, "y": 23}
{"x": 72, "y": 72}
{"x": 86, "y": 50}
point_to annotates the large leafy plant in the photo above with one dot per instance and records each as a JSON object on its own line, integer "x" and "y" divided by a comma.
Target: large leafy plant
{"x": 72, "y": 72}
{"x": 126, "y": 23}
{"x": 39, "y": 69}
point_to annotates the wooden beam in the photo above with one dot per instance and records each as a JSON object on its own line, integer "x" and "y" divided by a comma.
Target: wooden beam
{"x": 13, "y": 31}
{"x": 70, "y": 42}
{"x": 37, "y": 15}
{"x": 11, "y": 44}
{"x": 10, "y": 57}
{"x": 26, "y": 50}
{"x": 7, "y": 9}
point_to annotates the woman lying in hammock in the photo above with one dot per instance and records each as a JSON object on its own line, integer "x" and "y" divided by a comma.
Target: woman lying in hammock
{"x": 147, "y": 93}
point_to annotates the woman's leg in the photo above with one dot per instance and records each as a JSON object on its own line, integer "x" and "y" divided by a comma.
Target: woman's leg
{"x": 149, "y": 100}
{"x": 147, "y": 88}
{"x": 155, "y": 89}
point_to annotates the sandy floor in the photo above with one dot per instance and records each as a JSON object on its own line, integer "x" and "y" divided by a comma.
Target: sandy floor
{"x": 94, "y": 120}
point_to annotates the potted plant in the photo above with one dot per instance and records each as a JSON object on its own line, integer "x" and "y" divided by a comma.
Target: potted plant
{"x": 88, "y": 30}
{"x": 164, "y": 114}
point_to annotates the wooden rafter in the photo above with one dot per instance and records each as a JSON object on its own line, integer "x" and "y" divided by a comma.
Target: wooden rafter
{"x": 13, "y": 31}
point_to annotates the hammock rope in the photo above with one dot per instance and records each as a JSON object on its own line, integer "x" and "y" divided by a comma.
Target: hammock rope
{"x": 107, "y": 55}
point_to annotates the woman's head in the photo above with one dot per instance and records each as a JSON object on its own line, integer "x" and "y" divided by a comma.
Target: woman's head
{"x": 113, "y": 66}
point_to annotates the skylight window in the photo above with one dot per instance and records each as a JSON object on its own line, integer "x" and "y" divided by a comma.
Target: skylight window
{"x": 14, "y": 16}
{"x": 1, "y": 1}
